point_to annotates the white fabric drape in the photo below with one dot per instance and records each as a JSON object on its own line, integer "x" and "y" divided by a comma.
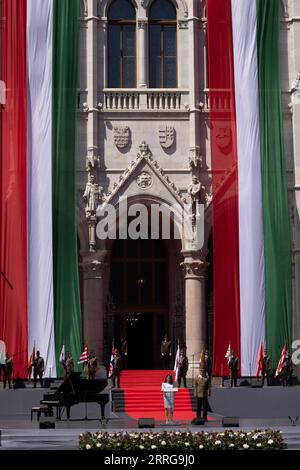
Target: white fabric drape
{"x": 39, "y": 63}
{"x": 252, "y": 295}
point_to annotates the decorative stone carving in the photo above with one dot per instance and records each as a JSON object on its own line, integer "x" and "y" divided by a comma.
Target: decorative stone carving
{"x": 166, "y": 135}
{"x": 93, "y": 269}
{"x": 193, "y": 267}
{"x": 194, "y": 190}
{"x": 195, "y": 159}
{"x": 92, "y": 196}
{"x": 144, "y": 180}
{"x": 183, "y": 24}
{"x": 142, "y": 23}
{"x": 92, "y": 160}
{"x": 121, "y": 136}
{"x": 146, "y": 154}
{"x": 296, "y": 83}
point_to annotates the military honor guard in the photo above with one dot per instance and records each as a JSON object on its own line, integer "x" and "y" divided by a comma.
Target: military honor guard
{"x": 183, "y": 367}
{"x": 165, "y": 350}
{"x": 8, "y": 370}
{"x": 38, "y": 366}
{"x": 233, "y": 364}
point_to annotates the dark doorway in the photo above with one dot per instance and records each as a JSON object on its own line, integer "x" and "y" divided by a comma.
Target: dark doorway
{"x": 139, "y": 289}
{"x": 140, "y": 339}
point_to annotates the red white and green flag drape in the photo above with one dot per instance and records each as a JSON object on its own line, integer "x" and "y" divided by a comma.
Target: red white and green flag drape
{"x": 251, "y": 226}
{"x": 39, "y": 287}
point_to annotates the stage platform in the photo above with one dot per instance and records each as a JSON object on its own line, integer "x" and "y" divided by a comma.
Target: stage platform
{"x": 268, "y": 407}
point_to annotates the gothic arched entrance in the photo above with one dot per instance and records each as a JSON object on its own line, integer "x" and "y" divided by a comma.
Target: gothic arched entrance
{"x": 139, "y": 287}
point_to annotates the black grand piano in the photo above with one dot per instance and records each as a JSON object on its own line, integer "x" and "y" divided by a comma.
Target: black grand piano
{"x": 76, "y": 390}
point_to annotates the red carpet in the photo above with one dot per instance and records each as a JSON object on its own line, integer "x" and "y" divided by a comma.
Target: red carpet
{"x": 143, "y": 396}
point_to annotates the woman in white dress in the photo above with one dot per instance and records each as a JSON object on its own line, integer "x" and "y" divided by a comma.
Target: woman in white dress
{"x": 168, "y": 390}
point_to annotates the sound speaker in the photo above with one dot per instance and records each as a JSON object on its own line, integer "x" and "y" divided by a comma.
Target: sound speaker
{"x": 47, "y": 422}
{"x": 18, "y": 383}
{"x": 256, "y": 383}
{"x": 244, "y": 383}
{"x": 230, "y": 422}
{"x": 146, "y": 423}
{"x": 198, "y": 422}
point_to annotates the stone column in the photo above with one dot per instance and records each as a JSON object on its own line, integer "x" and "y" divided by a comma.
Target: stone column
{"x": 142, "y": 55}
{"x": 93, "y": 268}
{"x": 195, "y": 311}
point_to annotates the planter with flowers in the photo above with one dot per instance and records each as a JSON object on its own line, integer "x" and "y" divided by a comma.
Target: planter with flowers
{"x": 156, "y": 441}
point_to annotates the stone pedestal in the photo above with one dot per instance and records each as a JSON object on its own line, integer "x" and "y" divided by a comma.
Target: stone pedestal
{"x": 93, "y": 268}
{"x": 195, "y": 312}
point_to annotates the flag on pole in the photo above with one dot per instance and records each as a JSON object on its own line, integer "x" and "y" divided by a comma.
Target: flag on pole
{"x": 111, "y": 362}
{"x": 62, "y": 354}
{"x": 281, "y": 361}
{"x": 228, "y": 353}
{"x": 176, "y": 364}
{"x": 84, "y": 356}
{"x": 259, "y": 361}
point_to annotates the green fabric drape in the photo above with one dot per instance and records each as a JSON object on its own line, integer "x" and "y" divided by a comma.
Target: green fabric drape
{"x": 67, "y": 312}
{"x": 277, "y": 236}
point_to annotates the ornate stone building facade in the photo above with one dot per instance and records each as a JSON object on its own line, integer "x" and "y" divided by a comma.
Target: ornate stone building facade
{"x": 144, "y": 133}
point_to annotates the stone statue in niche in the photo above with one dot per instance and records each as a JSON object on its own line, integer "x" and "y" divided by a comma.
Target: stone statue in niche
{"x": 195, "y": 190}
{"x": 92, "y": 196}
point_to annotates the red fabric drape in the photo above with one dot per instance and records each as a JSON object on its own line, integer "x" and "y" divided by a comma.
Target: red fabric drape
{"x": 224, "y": 182}
{"x": 13, "y": 218}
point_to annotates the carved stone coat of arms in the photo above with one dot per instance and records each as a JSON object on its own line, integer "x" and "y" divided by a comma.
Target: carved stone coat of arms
{"x": 121, "y": 136}
{"x": 166, "y": 136}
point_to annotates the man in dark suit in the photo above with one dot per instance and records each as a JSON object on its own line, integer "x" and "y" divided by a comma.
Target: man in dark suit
{"x": 117, "y": 368}
{"x": 233, "y": 365}
{"x": 165, "y": 350}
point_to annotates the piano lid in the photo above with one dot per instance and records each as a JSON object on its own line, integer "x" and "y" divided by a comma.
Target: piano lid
{"x": 75, "y": 384}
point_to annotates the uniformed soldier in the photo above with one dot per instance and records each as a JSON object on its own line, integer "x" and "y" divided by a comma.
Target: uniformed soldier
{"x": 165, "y": 350}
{"x": 202, "y": 390}
{"x": 287, "y": 370}
{"x": 92, "y": 366}
{"x": 183, "y": 367}
{"x": 8, "y": 370}
{"x": 208, "y": 364}
{"x": 38, "y": 369}
{"x": 68, "y": 365}
{"x": 266, "y": 368}
{"x": 233, "y": 365}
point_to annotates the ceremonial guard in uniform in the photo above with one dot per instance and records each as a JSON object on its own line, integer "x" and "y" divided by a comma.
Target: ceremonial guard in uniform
{"x": 68, "y": 365}
{"x": 202, "y": 390}
{"x": 287, "y": 370}
{"x": 92, "y": 366}
{"x": 124, "y": 352}
{"x": 38, "y": 369}
{"x": 266, "y": 368}
{"x": 165, "y": 350}
{"x": 183, "y": 367}
{"x": 117, "y": 368}
{"x": 8, "y": 370}
{"x": 208, "y": 364}
{"x": 233, "y": 365}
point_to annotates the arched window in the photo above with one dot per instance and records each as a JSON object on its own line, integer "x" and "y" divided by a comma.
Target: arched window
{"x": 162, "y": 45}
{"x": 121, "y": 45}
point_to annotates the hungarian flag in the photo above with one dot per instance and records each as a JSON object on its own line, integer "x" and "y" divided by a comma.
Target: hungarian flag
{"x": 84, "y": 356}
{"x": 176, "y": 364}
{"x": 252, "y": 262}
{"x": 281, "y": 361}
{"x": 111, "y": 362}
{"x": 39, "y": 291}
{"x": 259, "y": 361}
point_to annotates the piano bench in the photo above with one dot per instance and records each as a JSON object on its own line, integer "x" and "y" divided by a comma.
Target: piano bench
{"x": 39, "y": 410}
